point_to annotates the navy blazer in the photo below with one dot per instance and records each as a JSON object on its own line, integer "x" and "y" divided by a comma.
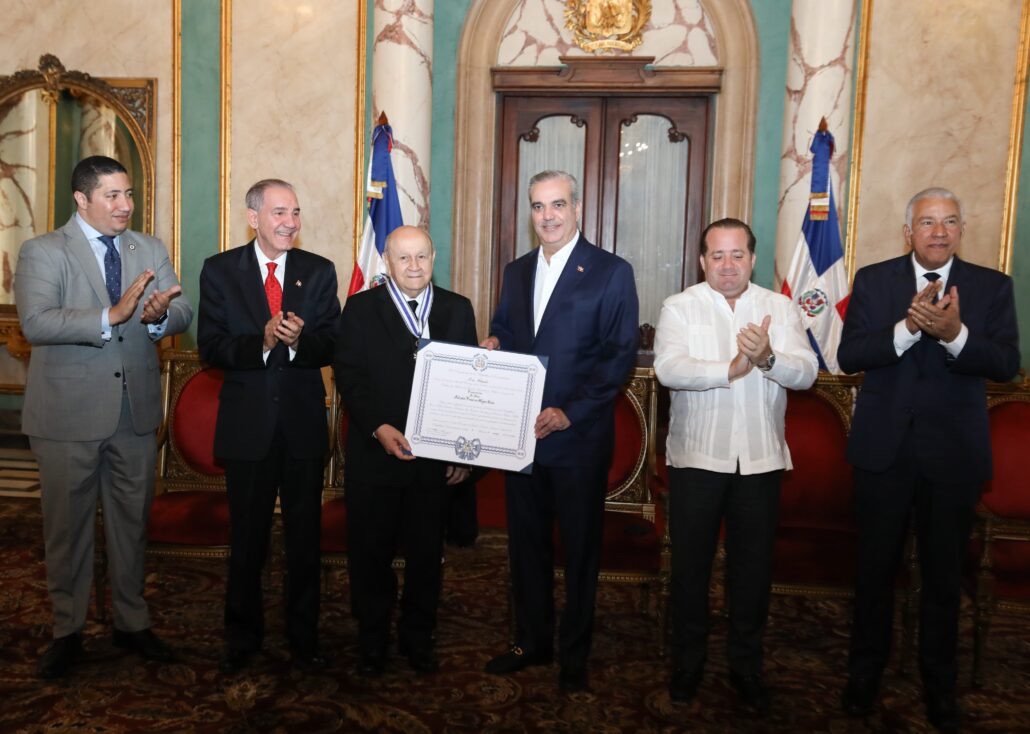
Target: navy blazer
{"x": 589, "y": 333}
{"x": 374, "y": 368}
{"x": 942, "y": 399}
{"x": 257, "y": 396}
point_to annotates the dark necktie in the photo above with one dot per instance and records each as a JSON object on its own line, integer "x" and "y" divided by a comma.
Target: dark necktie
{"x": 929, "y": 351}
{"x": 413, "y": 305}
{"x": 112, "y": 269}
{"x": 273, "y": 291}
{"x": 933, "y": 278}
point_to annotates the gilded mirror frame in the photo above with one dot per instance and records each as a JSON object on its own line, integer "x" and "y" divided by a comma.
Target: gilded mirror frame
{"x": 133, "y": 101}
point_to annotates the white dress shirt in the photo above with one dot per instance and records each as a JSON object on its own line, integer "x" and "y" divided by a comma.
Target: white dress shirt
{"x": 156, "y": 331}
{"x": 547, "y": 274}
{"x": 715, "y": 424}
{"x": 280, "y": 274}
{"x": 903, "y": 338}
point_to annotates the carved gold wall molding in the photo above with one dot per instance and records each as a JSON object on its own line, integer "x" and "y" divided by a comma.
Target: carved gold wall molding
{"x": 857, "y": 128}
{"x": 225, "y": 126}
{"x": 599, "y": 25}
{"x": 134, "y": 101}
{"x": 359, "y": 132}
{"x": 1015, "y": 154}
{"x": 176, "y": 134}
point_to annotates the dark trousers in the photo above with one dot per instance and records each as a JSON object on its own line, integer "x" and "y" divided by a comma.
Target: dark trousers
{"x": 575, "y": 495}
{"x": 943, "y": 520}
{"x": 700, "y": 500}
{"x": 461, "y": 525}
{"x": 252, "y": 487}
{"x": 383, "y": 521}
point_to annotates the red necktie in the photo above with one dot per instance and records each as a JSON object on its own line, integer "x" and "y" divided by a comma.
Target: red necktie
{"x": 273, "y": 291}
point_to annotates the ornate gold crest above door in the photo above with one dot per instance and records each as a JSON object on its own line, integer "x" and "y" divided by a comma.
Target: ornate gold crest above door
{"x": 607, "y": 24}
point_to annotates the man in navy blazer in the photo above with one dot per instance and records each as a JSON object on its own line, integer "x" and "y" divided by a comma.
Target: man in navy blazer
{"x": 920, "y": 440}
{"x": 267, "y": 315}
{"x": 577, "y": 305}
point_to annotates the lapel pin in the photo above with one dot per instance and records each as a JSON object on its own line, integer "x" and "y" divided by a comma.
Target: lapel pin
{"x": 132, "y": 246}
{"x": 297, "y": 284}
{"x": 579, "y": 268}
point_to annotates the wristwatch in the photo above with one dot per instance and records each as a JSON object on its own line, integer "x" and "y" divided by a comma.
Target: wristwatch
{"x": 768, "y": 363}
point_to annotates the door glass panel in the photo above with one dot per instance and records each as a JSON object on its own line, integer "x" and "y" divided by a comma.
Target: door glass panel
{"x": 556, "y": 143}
{"x": 652, "y": 209}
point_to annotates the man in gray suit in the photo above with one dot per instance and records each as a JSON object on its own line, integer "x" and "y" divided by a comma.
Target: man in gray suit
{"x": 93, "y": 299}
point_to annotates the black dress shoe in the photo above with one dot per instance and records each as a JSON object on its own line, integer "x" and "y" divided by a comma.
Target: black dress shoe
{"x": 234, "y": 660}
{"x": 371, "y": 664}
{"x": 572, "y": 678}
{"x": 684, "y": 684}
{"x": 515, "y": 660}
{"x": 144, "y": 642}
{"x": 59, "y": 656}
{"x": 859, "y": 696}
{"x": 752, "y": 691}
{"x": 421, "y": 658}
{"x": 942, "y": 711}
{"x": 309, "y": 661}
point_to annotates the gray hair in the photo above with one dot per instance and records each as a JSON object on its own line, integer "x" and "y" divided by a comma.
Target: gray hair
{"x": 933, "y": 193}
{"x": 256, "y": 193}
{"x": 550, "y": 176}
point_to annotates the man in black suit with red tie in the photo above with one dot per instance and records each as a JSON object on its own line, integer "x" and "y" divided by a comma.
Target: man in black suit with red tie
{"x": 395, "y": 502}
{"x": 920, "y": 442}
{"x": 267, "y": 313}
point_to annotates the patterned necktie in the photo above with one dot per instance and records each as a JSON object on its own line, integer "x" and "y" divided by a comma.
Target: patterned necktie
{"x": 273, "y": 291}
{"x": 112, "y": 269}
{"x": 933, "y": 278}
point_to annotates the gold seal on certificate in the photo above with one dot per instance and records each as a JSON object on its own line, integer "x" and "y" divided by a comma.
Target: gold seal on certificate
{"x": 474, "y": 406}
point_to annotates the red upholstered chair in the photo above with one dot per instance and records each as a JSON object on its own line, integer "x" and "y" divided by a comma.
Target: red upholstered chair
{"x": 817, "y": 538}
{"x": 189, "y": 517}
{"x": 635, "y": 546}
{"x": 1000, "y": 549}
{"x": 334, "y": 508}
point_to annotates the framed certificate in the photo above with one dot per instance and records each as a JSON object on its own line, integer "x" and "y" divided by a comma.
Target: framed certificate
{"x": 474, "y": 406}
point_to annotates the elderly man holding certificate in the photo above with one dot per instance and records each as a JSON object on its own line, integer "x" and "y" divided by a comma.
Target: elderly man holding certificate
{"x": 395, "y": 501}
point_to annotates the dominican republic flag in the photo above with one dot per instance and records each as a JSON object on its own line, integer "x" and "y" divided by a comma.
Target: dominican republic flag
{"x": 384, "y": 213}
{"x": 817, "y": 280}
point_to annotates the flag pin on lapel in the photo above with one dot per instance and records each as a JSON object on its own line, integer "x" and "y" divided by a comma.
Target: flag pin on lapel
{"x": 579, "y": 268}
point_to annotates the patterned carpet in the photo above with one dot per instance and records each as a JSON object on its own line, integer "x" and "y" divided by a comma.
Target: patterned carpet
{"x": 116, "y": 692}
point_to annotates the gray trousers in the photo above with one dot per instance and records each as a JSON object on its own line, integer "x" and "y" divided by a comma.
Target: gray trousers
{"x": 120, "y": 469}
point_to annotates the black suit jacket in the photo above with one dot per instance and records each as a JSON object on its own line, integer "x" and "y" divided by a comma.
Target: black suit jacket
{"x": 942, "y": 399}
{"x": 374, "y": 369}
{"x": 589, "y": 333}
{"x": 258, "y": 396}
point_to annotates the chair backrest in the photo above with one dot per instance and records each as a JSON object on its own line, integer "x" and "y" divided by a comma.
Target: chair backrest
{"x": 817, "y": 492}
{"x": 1007, "y": 495}
{"x": 633, "y": 456}
{"x": 191, "y": 388}
{"x": 338, "y": 427}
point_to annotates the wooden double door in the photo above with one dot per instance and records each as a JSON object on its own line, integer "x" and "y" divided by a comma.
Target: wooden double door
{"x": 641, "y": 162}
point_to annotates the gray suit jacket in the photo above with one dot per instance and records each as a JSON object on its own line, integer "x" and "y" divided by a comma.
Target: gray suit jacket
{"x": 74, "y": 386}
